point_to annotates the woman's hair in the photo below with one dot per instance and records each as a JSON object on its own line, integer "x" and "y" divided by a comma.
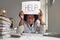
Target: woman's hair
{"x": 35, "y": 16}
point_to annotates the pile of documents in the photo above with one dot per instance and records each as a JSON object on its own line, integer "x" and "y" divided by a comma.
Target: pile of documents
{"x": 4, "y": 26}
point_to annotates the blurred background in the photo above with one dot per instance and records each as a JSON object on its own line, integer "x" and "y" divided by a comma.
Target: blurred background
{"x": 51, "y": 11}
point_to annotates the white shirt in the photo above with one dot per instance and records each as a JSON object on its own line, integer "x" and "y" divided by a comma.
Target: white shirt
{"x": 25, "y": 27}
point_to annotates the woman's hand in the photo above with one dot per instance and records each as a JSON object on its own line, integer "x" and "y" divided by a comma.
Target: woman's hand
{"x": 40, "y": 16}
{"x": 21, "y": 15}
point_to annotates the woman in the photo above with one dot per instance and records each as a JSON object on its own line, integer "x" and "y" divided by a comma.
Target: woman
{"x": 30, "y": 26}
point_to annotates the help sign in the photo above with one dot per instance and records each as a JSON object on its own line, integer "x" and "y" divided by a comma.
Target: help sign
{"x": 31, "y": 7}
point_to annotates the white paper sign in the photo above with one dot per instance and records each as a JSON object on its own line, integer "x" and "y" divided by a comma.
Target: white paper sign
{"x": 31, "y": 7}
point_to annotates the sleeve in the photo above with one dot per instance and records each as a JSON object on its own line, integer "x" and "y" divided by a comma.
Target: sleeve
{"x": 20, "y": 29}
{"x": 38, "y": 23}
{"x": 39, "y": 28}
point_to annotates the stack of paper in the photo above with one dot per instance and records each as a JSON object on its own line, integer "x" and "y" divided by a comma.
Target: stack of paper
{"x": 4, "y": 25}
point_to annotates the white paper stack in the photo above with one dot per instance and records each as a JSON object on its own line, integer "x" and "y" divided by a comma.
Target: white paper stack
{"x": 4, "y": 25}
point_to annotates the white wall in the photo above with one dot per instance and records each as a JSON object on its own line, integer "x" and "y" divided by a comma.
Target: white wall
{"x": 54, "y": 17}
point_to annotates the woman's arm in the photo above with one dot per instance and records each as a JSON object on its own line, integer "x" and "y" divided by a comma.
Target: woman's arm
{"x": 40, "y": 16}
{"x": 21, "y": 15}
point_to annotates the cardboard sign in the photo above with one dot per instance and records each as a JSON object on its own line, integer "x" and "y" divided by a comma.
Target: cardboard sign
{"x": 31, "y": 7}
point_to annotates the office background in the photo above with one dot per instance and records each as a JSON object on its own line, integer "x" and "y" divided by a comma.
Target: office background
{"x": 14, "y": 6}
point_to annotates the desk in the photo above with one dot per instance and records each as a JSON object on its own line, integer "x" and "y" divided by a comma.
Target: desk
{"x": 31, "y": 37}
